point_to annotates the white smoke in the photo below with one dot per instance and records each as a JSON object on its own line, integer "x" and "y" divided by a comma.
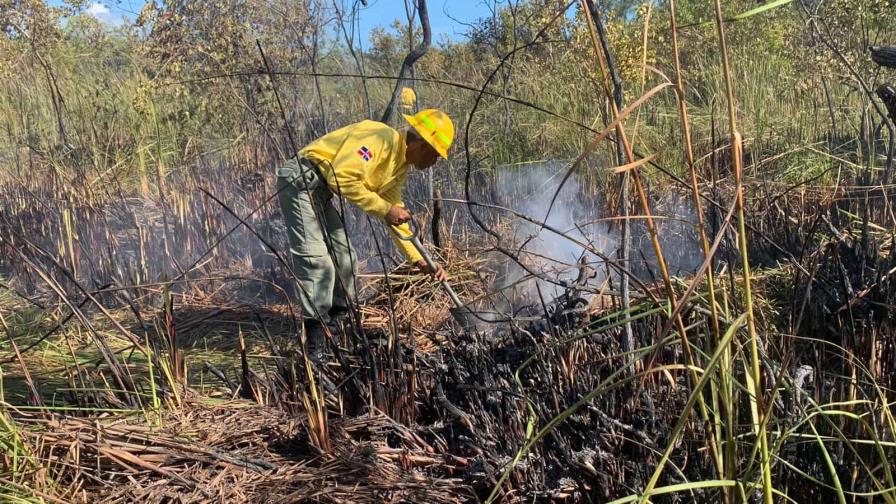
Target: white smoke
{"x": 529, "y": 190}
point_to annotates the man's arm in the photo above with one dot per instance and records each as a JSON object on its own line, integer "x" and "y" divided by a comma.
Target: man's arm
{"x": 413, "y": 256}
{"x": 393, "y": 195}
{"x": 406, "y": 247}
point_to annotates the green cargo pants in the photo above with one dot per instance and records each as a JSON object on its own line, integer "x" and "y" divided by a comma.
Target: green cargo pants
{"x": 322, "y": 256}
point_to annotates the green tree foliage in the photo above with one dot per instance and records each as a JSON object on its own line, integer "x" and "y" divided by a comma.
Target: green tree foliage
{"x": 30, "y": 20}
{"x": 187, "y": 72}
{"x": 192, "y": 38}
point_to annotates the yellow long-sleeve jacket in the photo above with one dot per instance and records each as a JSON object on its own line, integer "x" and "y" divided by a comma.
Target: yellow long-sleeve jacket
{"x": 365, "y": 164}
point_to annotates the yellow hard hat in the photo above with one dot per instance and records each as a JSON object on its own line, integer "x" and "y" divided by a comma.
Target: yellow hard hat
{"x": 435, "y": 127}
{"x": 408, "y": 99}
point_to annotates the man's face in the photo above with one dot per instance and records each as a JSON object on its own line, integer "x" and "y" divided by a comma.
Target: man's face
{"x": 430, "y": 156}
{"x": 422, "y": 155}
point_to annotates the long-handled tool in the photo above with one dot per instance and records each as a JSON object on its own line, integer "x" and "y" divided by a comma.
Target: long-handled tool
{"x": 469, "y": 320}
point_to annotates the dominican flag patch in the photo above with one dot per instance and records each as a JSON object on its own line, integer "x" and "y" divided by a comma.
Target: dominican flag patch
{"x": 365, "y": 153}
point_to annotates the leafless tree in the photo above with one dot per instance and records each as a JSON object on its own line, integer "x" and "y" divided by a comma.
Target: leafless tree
{"x": 347, "y": 27}
{"x": 409, "y": 60}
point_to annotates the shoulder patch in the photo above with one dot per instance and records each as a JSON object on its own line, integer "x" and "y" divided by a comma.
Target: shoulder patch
{"x": 365, "y": 153}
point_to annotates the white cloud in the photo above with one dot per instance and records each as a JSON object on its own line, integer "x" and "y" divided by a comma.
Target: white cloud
{"x": 98, "y": 10}
{"x": 104, "y": 14}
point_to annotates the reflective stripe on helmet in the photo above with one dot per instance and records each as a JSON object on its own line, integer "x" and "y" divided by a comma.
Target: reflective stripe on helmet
{"x": 441, "y": 136}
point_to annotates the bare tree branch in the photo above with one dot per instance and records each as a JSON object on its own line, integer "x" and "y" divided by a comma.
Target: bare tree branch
{"x": 410, "y": 59}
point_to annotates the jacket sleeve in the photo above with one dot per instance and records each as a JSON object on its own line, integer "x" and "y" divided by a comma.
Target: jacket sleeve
{"x": 349, "y": 170}
{"x": 393, "y": 196}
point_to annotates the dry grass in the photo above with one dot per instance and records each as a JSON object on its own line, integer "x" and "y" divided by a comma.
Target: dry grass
{"x": 236, "y": 451}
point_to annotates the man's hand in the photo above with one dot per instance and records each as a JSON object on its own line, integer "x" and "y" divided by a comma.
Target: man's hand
{"x": 397, "y": 215}
{"x": 438, "y": 275}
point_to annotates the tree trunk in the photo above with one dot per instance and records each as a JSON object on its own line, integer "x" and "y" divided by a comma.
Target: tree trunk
{"x": 437, "y": 219}
{"x": 628, "y": 342}
{"x": 409, "y": 60}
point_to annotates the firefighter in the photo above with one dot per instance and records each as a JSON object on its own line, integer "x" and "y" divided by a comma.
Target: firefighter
{"x": 365, "y": 164}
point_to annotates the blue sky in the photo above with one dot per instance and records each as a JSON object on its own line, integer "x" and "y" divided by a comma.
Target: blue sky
{"x": 446, "y": 16}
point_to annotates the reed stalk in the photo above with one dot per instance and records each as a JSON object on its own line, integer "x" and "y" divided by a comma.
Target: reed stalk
{"x": 724, "y": 400}
{"x": 754, "y": 381}
{"x": 651, "y": 226}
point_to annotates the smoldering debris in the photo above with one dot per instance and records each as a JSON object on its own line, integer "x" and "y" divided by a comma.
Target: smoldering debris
{"x": 566, "y": 234}
{"x": 531, "y": 189}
